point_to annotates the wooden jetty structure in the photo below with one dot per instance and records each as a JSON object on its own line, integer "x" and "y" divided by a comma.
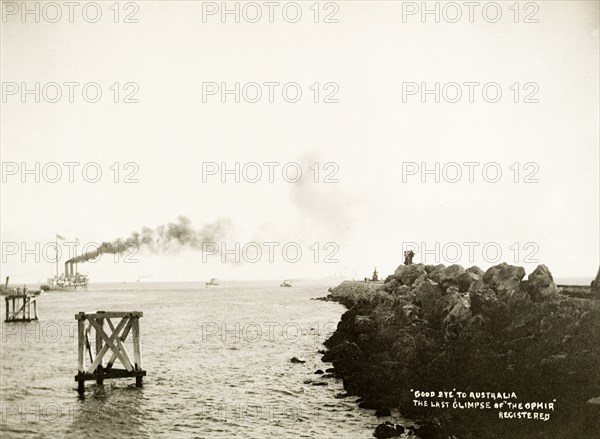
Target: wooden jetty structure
{"x": 111, "y": 341}
{"x": 19, "y": 304}
{"x": 579, "y": 291}
{"x": 583, "y": 291}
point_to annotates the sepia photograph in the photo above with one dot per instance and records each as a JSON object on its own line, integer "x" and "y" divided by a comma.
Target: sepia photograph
{"x": 314, "y": 219}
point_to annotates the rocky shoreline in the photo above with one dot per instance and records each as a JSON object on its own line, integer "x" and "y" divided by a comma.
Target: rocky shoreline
{"x": 443, "y": 329}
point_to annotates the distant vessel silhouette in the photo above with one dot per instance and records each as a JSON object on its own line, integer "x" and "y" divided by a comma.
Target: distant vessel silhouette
{"x": 71, "y": 279}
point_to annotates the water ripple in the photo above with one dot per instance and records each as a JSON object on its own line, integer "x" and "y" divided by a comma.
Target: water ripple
{"x": 218, "y": 365}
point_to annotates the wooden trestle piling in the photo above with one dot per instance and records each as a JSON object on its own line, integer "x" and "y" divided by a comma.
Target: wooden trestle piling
{"x": 19, "y": 305}
{"x": 112, "y": 341}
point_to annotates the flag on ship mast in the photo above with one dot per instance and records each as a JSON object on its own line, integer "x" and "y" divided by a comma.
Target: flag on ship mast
{"x": 60, "y": 237}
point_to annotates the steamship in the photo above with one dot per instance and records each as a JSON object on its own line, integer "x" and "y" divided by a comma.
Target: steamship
{"x": 69, "y": 280}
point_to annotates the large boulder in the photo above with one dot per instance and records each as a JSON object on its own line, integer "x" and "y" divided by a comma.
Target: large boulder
{"x": 452, "y": 272}
{"x": 427, "y": 293}
{"x": 434, "y": 272}
{"x": 450, "y": 276}
{"x": 389, "y": 278}
{"x": 460, "y": 310}
{"x": 504, "y": 280}
{"x": 466, "y": 279}
{"x": 402, "y": 290}
{"x": 475, "y": 270}
{"x": 431, "y": 268}
{"x": 391, "y": 283}
{"x": 387, "y": 430}
{"x": 457, "y": 317}
{"x": 398, "y": 271}
{"x": 407, "y": 274}
{"x": 540, "y": 284}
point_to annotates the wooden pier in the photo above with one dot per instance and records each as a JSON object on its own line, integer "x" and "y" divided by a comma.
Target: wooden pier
{"x": 19, "y": 304}
{"x": 579, "y": 291}
{"x": 112, "y": 341}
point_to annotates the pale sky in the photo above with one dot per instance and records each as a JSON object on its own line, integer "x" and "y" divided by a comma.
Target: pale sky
{"x": 368, "y": 134}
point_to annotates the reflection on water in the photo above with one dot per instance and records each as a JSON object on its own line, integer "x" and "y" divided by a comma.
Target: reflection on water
{"x": 107, "y": 409}
{"x": 218, "y": 364}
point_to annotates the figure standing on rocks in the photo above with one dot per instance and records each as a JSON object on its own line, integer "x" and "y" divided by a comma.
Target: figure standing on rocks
{"x": 408, "y": 257}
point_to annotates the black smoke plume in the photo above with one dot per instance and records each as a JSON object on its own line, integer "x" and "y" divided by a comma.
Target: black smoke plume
{"x": 167, "y": 237}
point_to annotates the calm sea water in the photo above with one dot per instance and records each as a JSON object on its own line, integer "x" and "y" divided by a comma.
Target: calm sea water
{"x": 217, "y": 359}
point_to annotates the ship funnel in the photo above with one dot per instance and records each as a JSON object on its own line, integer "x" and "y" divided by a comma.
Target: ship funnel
{"x": 67, "y": 269}
{"x": 72, "y": 271}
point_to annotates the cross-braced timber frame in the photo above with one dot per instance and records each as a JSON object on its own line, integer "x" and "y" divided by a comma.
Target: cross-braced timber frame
{"x": 21, "y": 307}
{"x": 112, "y": 342}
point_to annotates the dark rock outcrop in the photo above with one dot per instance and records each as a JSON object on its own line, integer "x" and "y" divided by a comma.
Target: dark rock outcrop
{"x": 407, "y": 274}
{"x": 388, "y": 430}
{"x": 540, "y": 284}
{"x": 466, "y": 279}
{"x": 504, "y": 279}
{"x": 438, "y": 328}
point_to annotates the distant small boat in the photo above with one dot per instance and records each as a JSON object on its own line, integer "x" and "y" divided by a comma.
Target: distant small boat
{"x": 285, "y": 283}
{"x": 213, "y": 281}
